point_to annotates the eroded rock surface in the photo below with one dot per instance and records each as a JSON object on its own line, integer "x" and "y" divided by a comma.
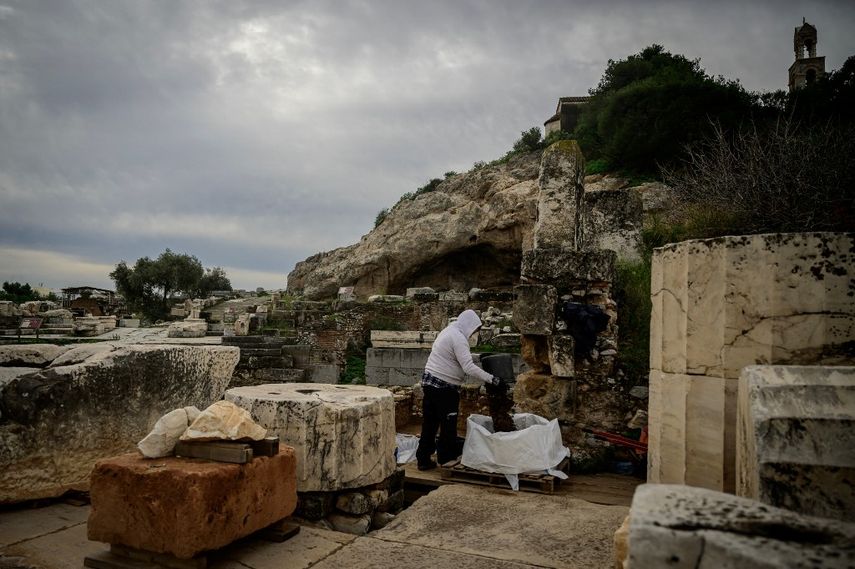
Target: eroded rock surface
{"x": 56, "y": 422}
{"x": 469, "y": 232}
{"x": 343, "y": 435}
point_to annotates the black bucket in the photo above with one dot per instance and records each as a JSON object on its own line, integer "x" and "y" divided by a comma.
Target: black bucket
{"x": 500, "y": 365}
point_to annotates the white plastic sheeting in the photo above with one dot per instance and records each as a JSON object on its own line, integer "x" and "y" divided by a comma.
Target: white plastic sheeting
{"x": 407, "y": 446}
{"x": 535, "y": 447}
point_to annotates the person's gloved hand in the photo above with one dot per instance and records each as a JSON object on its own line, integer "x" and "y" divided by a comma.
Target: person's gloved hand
{"x": 497, "y": 385}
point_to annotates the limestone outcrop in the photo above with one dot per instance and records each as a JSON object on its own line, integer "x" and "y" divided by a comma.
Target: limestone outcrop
{"x": 683, "y": 527}
{"x": 468, "y": 232}
{"x": 30, "y": 355}
{"x": 56, "y": 422}
{"x": 795, "y": 438}
{"x": 343, "y": 435}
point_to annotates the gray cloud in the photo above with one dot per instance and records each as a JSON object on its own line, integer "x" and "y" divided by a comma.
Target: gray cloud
{"x": 254, "y": 134}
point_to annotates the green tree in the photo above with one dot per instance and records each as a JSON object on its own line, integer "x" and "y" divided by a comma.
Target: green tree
{"x": 150, "y": 286}
{"x": 18, "y": 293}
{"x": 213, "y": 279}
{"x": 649, "y": 106}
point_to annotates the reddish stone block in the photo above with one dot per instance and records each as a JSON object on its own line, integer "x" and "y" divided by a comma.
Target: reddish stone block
{"x": 184, "y": 506}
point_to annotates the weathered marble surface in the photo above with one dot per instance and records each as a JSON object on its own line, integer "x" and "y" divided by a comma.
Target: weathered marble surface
{"x": 343, "y": 435}
{"x": 679, "y": 527}
{"x": 562, "y": 169}
{"x": 58, "y": 421}
{"x": 613, "y": 220}
{"x": 720, "y": 305}
{"x": 187, "y": 506}
{"x": 796, "y": 438}
{"x": 224, "y": 421}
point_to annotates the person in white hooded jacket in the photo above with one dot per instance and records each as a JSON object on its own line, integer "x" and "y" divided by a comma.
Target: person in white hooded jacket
{"x": 449, "y": 362}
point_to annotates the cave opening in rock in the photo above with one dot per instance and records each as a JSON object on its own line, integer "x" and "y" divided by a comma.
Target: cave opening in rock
{"x": 481, "y": 266}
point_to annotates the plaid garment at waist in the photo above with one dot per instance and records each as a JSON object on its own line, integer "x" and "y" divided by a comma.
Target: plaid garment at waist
{"x": 429, "y": 380}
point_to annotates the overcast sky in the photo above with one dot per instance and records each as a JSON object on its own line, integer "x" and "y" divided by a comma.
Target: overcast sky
{"x": 254, "y": 134}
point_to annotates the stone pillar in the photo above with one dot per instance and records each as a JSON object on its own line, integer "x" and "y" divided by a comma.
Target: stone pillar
{"x": 562, "y": 170}
{"x": 796, "y": 438}
{"x": 719, "y": 305}
{"x": 343, "y": 435}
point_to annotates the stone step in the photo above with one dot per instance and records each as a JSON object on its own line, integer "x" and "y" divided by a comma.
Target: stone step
{"x": 260, "y": 362}
{"x": 249, "y": 341}
{"x": 260, "y": 351}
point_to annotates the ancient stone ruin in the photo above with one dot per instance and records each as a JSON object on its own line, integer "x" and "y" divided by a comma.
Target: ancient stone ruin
{"x": 720, "y": 305}
{"x": 62, "y": 409}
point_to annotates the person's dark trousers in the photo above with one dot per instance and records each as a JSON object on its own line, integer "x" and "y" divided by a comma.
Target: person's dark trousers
{"x": 439, "y": 412}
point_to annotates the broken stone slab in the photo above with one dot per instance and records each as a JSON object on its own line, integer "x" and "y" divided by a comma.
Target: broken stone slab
{"x": 416, "y": 292}
{"x": 386, "y": 298}
{"x": 722, "y": 304}
{"x": 353, "y": 503}
{"x": 683, "y": 527}
{"x": 59, "y": 421}
{"x": 166, "y": 432}
{"x": 30, "y": 355}
{"x": 567, "y": 269}
{"x": 343, "y": 435}
{"x": 346, "y": 523}
{"x": 224, "y": 421}
{"x": 189, "y": 328}
{"x": 562, "y": 169}
{"x": 561, "y": 359}
{"x": 184, "y": 507}
{"x": 534, "y": 309}
{"x": 796, "y": 438}
{"x": 416, "y": 339}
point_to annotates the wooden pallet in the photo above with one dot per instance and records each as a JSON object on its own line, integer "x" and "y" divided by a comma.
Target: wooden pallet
{"x": 541, "y": 483}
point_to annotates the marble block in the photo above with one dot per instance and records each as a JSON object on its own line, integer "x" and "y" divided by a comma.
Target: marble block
{"x": 343, "y": 435}
{"x": 722, "y": 304}
{"x": 796, "y": 438}
{"x": 680, "y": 527}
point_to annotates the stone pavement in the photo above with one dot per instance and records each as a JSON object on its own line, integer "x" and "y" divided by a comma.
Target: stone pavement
{"x": 461, "y": 526}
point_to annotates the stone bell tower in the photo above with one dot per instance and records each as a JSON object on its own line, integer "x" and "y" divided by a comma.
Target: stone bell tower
{"x": 805, "y": 70}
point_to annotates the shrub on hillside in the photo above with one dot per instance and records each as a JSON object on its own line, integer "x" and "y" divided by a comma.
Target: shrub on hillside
{"x": 768, "y": 179}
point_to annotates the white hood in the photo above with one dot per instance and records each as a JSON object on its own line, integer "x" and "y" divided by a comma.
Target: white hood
{"x": 468, "y": 322}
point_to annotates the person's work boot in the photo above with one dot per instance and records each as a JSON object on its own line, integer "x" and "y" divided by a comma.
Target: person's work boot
{"x": 427, "y": 465}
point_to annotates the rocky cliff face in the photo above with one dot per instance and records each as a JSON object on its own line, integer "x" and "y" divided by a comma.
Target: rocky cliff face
{"x": 469, "y": 232}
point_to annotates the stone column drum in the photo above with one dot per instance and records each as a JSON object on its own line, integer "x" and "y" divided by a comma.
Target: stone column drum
{"x": 343, "y": 435}
{"x": 720, "y": 305}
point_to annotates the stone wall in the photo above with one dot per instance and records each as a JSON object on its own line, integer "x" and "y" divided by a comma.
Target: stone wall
{"x": 720, "y": 305}
{"x": 332, "y": 331}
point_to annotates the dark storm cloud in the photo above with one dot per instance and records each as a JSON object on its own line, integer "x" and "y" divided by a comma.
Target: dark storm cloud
{"x": 253, "y": 134}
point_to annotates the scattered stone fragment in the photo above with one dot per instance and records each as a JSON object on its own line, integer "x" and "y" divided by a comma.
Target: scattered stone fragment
{"x": 166, "y": 432}
{"x": 356, "y": 525}
{"x": 224, "y": 421}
